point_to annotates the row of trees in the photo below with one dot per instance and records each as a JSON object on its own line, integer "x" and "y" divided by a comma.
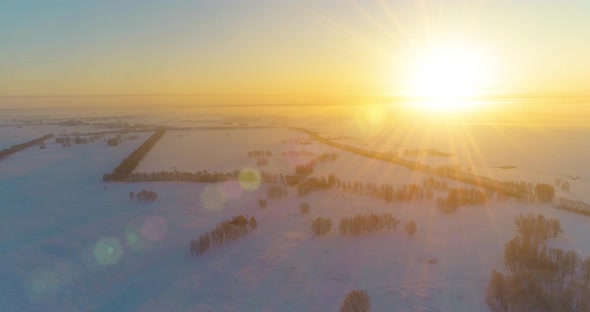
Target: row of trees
{"x": 541, "y": 278}
{"x": 573, "y": 205}
{"x": 520, "y": 190}
{"x": 144, "y": 195}
{"x": 259, "y": 153}
{"x": 121, "y": 172}
{"x": 19, "y": 147}
{"x": 224, "y": 232}
{"x": 292, "y": 153}
{"x": 457, "y": 197}
{"x": 365, "y": 224}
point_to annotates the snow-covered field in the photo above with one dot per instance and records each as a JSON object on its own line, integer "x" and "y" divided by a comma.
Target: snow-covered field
{"x": 68, "y": 244}
{"x": 225, "y": 150}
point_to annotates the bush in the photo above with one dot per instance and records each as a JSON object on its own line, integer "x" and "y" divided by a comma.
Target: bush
{"x": 304, "y": 208}
{"x": 356, "y": 301}
{"x": 544, "y": 192}
{"x": 146, "y": 195}
{"x": 321, "y": 226}
{"x": 411, "y": 227}
{"x": 262, "y": 203}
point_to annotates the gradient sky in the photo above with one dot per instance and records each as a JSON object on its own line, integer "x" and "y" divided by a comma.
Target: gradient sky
{"x": 309, "y": 49}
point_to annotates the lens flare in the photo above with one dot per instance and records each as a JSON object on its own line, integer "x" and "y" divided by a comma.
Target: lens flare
{"x": 250, "y": 179}
{"x": 108, "y": 251}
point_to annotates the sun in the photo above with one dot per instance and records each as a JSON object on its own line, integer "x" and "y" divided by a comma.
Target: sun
{"x": 446, "y": 76}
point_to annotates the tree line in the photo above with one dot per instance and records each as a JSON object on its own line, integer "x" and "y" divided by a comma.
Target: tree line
{"x": 259, "y": 153}
{"x": 19, "y": 147}
{"x": 224, "y": 232}
{"x": 520, "y": 190}
{"x": 144, "y": 195}
{"x": 123, "y": 170}
{"x": 573, "y": 205}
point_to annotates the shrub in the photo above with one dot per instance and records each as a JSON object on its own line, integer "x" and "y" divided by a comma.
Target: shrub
{"x": 356, "y": 301}
{"x": 321, "y": 226}
{"x": 411, "y": 227}
{"x": 146, "y": 195}
{"x": 252, "y": 222}
{"x": 262, "y": 203}
{"x": 304, "y": 208}
{"x": 544, "y": 192}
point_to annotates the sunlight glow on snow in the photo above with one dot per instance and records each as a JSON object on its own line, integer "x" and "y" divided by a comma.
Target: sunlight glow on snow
{"x": 213, "y": 197}
{"x": 154, "y": 228}
{"x": 232, "y": 189}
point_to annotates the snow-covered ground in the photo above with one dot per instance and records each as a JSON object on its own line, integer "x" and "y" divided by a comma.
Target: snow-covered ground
{"x": 66, "y": 243}
{"x": 225, "y": 150}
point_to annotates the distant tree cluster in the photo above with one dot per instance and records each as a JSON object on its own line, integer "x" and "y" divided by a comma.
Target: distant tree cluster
{"x": 573, "y": 205}
{"x": 304, "y": 208}
{"x": 67, "y": 141}
{"x": 565, "y": 185}
{"x": 261, "y": 162}
{"x": 321, "y": 226}
{"x": 435, "y": 184}
{"x": 540, "y": 279}
{"x": 113, "y": 141}
{"x": 429, "y": 152}
{"x": 297, "y": 141}
{"x": 145, "y": 195}
{"x": 327, "y": 157}
{"x": 385, "y": 191}
{"x": 277, "y": 192}
{"x": 203, "y": 176}
{"x": 457, "y": 197}
{"x": 262, "y": 203}
{"x": 365, "y": 224}
{"x": 292, "y": 153}
{"x": 121, "y": 172}
{"x": 224, "y": 232}
{"x": 19, "y": 147}
{"x": 258, "y": 153}
{"x": 307, "y": 168}
{"x": 356, "y": 301}
{"x": 411, "y": 227}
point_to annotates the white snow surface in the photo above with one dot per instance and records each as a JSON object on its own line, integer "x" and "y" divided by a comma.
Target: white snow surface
{"x": 67, "y": 244}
